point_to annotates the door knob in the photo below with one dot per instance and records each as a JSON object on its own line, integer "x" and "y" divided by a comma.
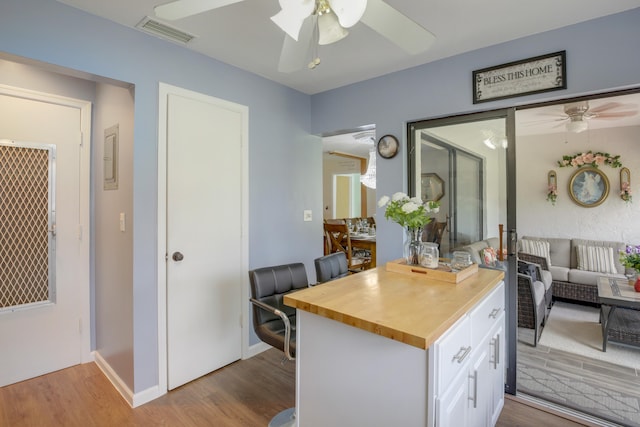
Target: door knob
{"x": 177, "y": 256}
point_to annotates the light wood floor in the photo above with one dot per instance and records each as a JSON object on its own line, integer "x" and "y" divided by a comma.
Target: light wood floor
{"x": 244, "y": 394}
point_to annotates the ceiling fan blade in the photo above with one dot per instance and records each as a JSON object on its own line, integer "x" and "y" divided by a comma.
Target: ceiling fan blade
{"x": 349, "y": 12}
{"x": 396, "y": 27}
{"x": 183, "y": 8}
{"x": 615, "y": 115}
{"x": 292, "y": 15}
{"x": 295, "y": 54}
{"x": 604, "y": 107}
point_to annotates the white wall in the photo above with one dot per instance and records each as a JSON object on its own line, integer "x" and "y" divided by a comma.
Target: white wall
{"x": 612, "y": 220}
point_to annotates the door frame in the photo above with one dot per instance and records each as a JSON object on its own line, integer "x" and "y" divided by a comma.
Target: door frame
{"x": 84, "y": 271}
{"x": 164, "y": 90}
{"x": 508, "y": 114}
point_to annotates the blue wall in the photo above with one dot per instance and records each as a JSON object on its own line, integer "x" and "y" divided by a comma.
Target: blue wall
{"x": 602, "y": 54}
{"x": 285, "y": 160}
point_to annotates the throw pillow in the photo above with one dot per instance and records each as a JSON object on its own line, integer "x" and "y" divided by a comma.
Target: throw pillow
{"x": 537, "y": 248}
{"x": 489, "y": 256}
{"x": 596, "y": 258}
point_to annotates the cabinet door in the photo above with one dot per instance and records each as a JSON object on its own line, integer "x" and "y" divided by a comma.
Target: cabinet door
{"x": 497, "y": 367}
{"x": 479, "y": 387}
{"x": 452, "y": 408}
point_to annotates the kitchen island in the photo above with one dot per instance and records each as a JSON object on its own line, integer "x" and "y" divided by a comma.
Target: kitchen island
{"x": 380, "y": 348}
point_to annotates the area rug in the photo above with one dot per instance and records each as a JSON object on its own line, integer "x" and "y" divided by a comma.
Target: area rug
{"x": 575, "y": 329}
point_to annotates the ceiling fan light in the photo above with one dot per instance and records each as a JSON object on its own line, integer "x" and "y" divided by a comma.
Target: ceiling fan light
{"x": 329, "y": 29}
{"x": 577, "y": 126}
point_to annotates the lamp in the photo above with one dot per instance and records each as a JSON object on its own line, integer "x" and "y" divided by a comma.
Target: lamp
{"x": 329, "y": 29}
{"x": 577, "y": 126}
{"x": 369, "y": 178}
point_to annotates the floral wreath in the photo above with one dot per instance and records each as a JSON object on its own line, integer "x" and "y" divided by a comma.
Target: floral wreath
{"x": 590, "y": 158}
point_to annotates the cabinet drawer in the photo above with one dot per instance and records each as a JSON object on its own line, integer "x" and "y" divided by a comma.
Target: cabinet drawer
{"x": 484, "y": 316}
{"x": 452, "y": 352}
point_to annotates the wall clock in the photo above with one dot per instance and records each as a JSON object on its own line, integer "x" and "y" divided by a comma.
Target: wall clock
{"x": 388, "y": 146}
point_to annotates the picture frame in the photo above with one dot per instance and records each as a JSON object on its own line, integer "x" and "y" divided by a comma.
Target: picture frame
{"x": 539, "y": 74}
{"x": 432, "y": 187}
{"x": 589, "y": 187}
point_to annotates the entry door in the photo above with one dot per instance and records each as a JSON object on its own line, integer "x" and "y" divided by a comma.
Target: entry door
{"x": 52, "y": 333}
{"x": 204, "y": 235}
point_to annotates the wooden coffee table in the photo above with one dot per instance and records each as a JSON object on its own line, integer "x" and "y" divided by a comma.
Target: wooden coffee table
{"x": 619, "y": 311}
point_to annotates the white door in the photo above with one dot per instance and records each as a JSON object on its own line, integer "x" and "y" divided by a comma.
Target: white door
{"x": 49, "y": 335}
{"x": 205, "y": 270}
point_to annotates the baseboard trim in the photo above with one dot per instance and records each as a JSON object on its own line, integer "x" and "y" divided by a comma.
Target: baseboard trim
{"x": 133, "y": 399}
{"x": 256, "y": 349}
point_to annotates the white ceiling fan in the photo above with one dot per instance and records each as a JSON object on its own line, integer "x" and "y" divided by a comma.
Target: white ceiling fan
{"x": 310, "y": 22}
{"x": 576, "y": 114}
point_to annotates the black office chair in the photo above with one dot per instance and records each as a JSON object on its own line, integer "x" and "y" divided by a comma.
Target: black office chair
{"x": 331, "y": 267}
{"x": 273, "y": 322}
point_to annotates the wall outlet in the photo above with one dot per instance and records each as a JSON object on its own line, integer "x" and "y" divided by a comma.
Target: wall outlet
{"x": 307, "y": 215}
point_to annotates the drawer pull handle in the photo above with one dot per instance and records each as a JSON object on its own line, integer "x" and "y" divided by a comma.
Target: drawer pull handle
{"x": 474, "y": 399}
{"x": 462, "y": 354}
{"x": 495, "y": 342}
{"x": 494, "y": 313}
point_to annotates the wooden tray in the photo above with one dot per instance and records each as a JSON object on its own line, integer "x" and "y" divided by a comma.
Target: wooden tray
{"x": 443, "y": 272}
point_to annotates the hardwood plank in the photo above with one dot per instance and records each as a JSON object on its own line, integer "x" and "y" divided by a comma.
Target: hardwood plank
{"x": 247, "y": 393}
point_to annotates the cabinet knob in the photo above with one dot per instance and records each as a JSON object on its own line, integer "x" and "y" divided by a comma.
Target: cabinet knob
{"x": 177, "y": 256}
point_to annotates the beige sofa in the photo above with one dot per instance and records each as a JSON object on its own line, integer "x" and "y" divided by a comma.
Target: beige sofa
{"x": 570, "y": 279}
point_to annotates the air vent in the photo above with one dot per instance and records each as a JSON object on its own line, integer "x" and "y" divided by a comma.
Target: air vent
{"x": 162, "y": 30}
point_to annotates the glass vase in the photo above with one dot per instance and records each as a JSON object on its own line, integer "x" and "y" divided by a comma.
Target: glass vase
{"x": 413, "y": 245}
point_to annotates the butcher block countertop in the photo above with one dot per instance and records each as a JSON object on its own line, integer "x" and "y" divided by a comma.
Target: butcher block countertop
{"x": 404, "y": 307}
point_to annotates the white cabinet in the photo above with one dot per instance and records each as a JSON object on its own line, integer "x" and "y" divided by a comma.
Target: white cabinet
{"x": 468, "y": 367}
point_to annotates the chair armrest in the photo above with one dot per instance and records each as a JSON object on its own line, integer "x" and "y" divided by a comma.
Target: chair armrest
{"x": 535, "y": 265}
{"x": 285, "y": 320}
{"x": 541, "y": 261}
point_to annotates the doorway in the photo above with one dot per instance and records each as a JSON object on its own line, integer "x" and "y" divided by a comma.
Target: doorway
{"x": 346, "y": 158}
{"x": 475, "y": 180}
{"x": 202, "y": 234}
{"x": 567, "y": 365}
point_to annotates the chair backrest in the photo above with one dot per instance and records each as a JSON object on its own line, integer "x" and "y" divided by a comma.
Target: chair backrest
{"x": 434, "y": 232}
{"x": 338, "y": 239}
{"x": 332, "y": 266}
{"x": 269, "y": 285}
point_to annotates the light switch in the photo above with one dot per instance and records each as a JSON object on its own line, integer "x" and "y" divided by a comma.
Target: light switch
{"x": 307, "y": 215}
{"x": 122, "y": 222}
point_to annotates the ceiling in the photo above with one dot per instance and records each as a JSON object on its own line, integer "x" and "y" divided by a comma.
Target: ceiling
{"x": 459, "y": 26}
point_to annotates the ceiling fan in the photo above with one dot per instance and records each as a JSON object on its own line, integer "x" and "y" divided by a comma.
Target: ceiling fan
{"x": 576, "y": 114}
{"x": 307, "y": 23}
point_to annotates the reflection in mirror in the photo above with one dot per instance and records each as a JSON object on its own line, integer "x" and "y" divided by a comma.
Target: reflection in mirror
{"x": 469, "y": 161}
